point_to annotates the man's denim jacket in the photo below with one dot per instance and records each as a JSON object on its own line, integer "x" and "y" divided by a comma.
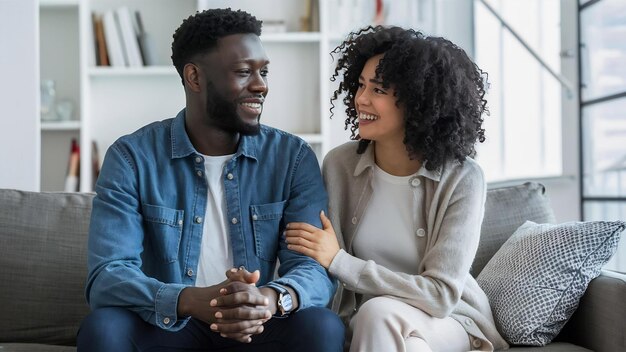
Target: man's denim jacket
{"x": 148, "y": 214}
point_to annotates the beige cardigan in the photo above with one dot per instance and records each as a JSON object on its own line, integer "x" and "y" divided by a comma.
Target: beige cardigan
{"x": 453, "y": 206}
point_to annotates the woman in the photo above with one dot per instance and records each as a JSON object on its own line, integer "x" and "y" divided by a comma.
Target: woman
{"x": 406, "y": 200}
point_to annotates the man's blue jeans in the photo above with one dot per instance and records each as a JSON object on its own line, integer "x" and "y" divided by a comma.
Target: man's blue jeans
{"x": 120, "y": 330}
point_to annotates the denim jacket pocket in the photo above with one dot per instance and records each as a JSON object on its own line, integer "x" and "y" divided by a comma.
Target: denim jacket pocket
{"x": 164, "y": 227}
{"x": 266, "y": 224}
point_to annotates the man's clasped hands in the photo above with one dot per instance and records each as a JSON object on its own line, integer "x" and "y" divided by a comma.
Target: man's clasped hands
{"x": 236, "y": 308}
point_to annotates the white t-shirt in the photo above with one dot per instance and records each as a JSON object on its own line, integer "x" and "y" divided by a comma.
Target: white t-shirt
{"x": 215, "y": 251}
{"x": 387, "y": 232}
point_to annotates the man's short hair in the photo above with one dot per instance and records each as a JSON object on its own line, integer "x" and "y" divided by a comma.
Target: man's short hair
{"x": 199, "y": 33}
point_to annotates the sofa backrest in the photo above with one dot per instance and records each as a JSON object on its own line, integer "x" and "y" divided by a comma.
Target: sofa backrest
{"x": 506, "y": 209}
{"x": 43, "y": 265}
{"x": 43, "y": 255}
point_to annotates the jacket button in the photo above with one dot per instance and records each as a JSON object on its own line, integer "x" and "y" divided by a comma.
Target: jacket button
{"x": 354, "y": 220}
{"x": 233, "y": 220}
{"x": 230, "y": 176}
{"x": 189, "y": 272}
{"x": 476, "y": 343}
{"x": 166, "y": 320}
{"x": 415, "y": 182}
{"x": 180, "y": 222}
{"x": 254, "y": 217}
{"x": 199, "y": 173}
{"x": 420, "y": 232}
{"x": 199, "y": 159}
{"x": 198, "y": 219}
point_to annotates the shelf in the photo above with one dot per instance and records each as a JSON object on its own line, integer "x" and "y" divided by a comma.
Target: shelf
{"x": 311, "y": 138}
{"x": 291, "y": 37}
{"x": 132, "y": 71}
{"x": 58, "y": 3}
{"x": 337, "y": 37}
{"x": 73, "y": 125}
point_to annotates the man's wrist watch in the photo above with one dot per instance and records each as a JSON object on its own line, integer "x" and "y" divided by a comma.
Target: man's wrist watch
{"x": 284, "y": 302}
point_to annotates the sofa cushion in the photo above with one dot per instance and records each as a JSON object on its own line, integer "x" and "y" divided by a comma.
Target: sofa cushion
{"x": 600, "y": 318}
{"x": 553, "y": 347}
{"x": 31, "y": 347}
{"x": 43, "y": 246}
{"x": 535, "y": 281}
{"x": 506, "y": 209}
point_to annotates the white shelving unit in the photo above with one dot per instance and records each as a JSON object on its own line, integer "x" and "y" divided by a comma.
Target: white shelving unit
{"x": 60, "y": 58}
{"x": 111, "y": 102}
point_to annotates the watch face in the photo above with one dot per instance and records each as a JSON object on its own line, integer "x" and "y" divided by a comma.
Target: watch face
{"x": 285, "y": 303}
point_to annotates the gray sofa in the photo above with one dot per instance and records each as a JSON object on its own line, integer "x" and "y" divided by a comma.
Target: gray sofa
{"x": 43, "y": 268}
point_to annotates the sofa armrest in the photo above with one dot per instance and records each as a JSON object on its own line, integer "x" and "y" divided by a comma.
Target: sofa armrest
{"x": 599, "y": 323}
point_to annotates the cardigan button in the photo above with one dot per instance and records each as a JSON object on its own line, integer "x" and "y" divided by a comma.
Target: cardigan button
{"x": 476, "y": 343}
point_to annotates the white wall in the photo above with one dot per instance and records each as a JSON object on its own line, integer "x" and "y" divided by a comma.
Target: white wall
{"x": 455, "y": 22}
{"x": 19, "y": 95}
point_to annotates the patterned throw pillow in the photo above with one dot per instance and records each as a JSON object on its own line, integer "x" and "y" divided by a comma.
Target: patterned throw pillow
{"x": 535, "y": 281}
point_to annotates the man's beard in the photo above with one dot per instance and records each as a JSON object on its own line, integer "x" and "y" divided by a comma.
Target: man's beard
{"x": 223, "y": 114}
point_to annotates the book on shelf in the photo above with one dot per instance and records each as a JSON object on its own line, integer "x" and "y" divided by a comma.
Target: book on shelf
{"x": 102, "y": 56}
{"x": 95, "y": 163}
{"x": 310, "y": 21}
{"x": 129, "y": 37}
{"x": 94, "y": 23}
{"x": 73, "y": 168}
{"x": 146, "y": 43}
{"x": 357, "y": 14}
{"x": 113, "y": 40}
{"x": 120, "y": 39}
{"x": 379, "y": 17}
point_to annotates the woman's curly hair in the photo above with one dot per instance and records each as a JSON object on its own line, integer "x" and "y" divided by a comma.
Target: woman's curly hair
{"x": 440, "y": 87}
{"x": 199, "y": 33}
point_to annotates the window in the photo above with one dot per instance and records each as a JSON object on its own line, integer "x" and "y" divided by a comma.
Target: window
{"x": 523, "y": 129}
{"x": 603, "y": 114}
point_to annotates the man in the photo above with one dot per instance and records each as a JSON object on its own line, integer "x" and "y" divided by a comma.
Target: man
{"x": 182, "y": 201}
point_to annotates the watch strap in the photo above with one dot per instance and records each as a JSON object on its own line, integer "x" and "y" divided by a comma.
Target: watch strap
{"x": 278, "y": 288}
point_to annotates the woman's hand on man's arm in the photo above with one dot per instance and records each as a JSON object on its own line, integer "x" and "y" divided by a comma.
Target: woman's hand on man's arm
{"x": 319, "y": 244}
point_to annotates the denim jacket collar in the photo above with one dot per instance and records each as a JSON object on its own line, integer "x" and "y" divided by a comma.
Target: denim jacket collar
{"x": 182, "y": 146}
{"x": 367, "y": 161}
